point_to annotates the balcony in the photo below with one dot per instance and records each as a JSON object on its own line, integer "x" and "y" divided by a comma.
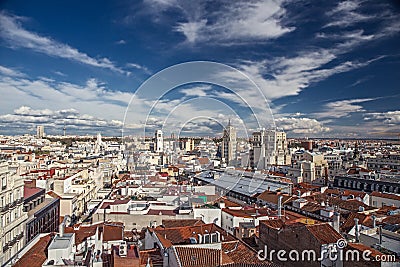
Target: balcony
{"x": 20, "y": 236}
{"x": 13, "y": 204}
{"x": 5, "y": 248}
{"x": 5, "y": 208}
{"x": 20, "y": 201}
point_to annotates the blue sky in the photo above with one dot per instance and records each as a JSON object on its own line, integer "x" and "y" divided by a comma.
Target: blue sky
{"x": 314, "y": 69}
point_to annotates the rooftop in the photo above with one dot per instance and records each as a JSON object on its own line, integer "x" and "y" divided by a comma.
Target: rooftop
{"x": 35, "y": 256}
{"x": 62, "y": 242}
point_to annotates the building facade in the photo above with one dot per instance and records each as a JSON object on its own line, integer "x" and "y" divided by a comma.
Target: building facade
{"x": 12, "y": 216}
{"x": 43, "y": 213}
{"x": 228, "y": 146}
{"x": 159, "y": 141}
{"x": 269, "y": 147}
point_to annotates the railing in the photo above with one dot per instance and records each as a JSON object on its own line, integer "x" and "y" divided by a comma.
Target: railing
{"x": 5, "y": 208}
{"x": 20, "y": 236}
{"x": 13, "y": 204}
{"x": 5, "y": 248}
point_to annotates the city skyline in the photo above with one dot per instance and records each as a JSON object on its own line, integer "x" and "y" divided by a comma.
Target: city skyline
{"x": 324, "y": 70}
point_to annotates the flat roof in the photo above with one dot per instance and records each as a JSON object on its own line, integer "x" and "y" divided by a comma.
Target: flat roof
{"x": 61, "y": 242}
{"x": 245, "y": 185}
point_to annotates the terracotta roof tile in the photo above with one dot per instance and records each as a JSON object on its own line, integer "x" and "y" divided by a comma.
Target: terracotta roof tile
{"x": 195, "y": 257}
{"x": 324, "y": 233}
{"x": 113, "y": 232}
{"x": 36, "y": 256}
{"x": 153, "y": 256}
{"x": 30, "y": 191}
{"x": 181, "y": 223}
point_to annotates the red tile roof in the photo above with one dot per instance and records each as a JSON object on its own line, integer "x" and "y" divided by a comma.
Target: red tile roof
{"x": 153, "y": 256}
{"x": 195, "y": 257}
{"x": 272, "y": 197}
{"x": 182, "y": 235}
{"x": 181, "y": 223}
{"x": 113, "y": 232}
{"x": 324, "y": 233}
{"x": 53, "y": 194}
{"x": 361, "y": 247}
{"x": 30, "y": 191}
{"x": 36, "y": 256}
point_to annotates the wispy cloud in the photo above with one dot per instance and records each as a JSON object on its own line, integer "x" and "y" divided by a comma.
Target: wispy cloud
{"x": 389, "y": 117}
{"x": 229, "y": 23}
{"x": 347, "y": 13}
{"x": 139, "y": 67}
{"x": 343, "y": 108}
{"x": 16, "y": 36}
{"x": 301, "y": 125}
{"x": 120, "y": 42}
{"x": 10, "y": 72}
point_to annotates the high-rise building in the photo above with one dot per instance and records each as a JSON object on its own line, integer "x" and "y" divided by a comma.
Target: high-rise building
{"x": 12, "y": 216}
{"x": 269, "y": 147}
{"x": 40, "y": 131}
{"x": 228, "y": 146}
{"x": 159, "y": 141}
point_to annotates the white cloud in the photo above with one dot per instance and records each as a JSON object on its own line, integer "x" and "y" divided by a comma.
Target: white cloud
{"x": 16, "y": 36}
{"x": 10, "y": 72}
{"x": 389, "y": 117}
{"x": 230, "y": 23}
{"x": 121, "y": 42}
{"x": 347, "y": 13}
{"x": 139, "y": 67}
{"x": 301, "y": 125}
{"x": 342, "y": 108}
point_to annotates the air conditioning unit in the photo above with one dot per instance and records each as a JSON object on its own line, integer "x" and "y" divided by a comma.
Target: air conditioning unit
{"x": 123, "y": 250}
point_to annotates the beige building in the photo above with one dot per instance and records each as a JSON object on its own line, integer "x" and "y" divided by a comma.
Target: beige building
{"x": 308, "y": 167}
{"x": 269, "y": 147}
{"x": 12, "y": 216}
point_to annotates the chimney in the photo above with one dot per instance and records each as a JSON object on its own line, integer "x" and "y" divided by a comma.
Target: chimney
{"x": 373, "y": 217}
{"x": 380, "y": 234}
{"x": 336, "y": 221}
{"x": 61, "y": 229}
{"x": 357, "y": 230}
{"x": 280, "y": 206}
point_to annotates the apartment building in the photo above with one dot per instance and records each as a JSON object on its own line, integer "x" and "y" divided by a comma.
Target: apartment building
{"x": 269, "y": 147}
{"x": 12, "y": 216}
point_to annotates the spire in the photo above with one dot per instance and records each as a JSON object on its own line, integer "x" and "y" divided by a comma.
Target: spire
{"x": 229, "y": 122}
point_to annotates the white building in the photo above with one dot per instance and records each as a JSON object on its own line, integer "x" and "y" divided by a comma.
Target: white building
{"x": 159, "y": 141}
{"x": 40, "y": 131}
{"x": 269, "y": 147}
{"x": 12, "y": 216}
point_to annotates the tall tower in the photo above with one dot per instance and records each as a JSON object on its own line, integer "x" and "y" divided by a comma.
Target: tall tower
{"x": 228, "y": 147}
{"x": 159, "y": 141}
{"x": 269, "y": 147}
{"x": 40, "y": 131}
